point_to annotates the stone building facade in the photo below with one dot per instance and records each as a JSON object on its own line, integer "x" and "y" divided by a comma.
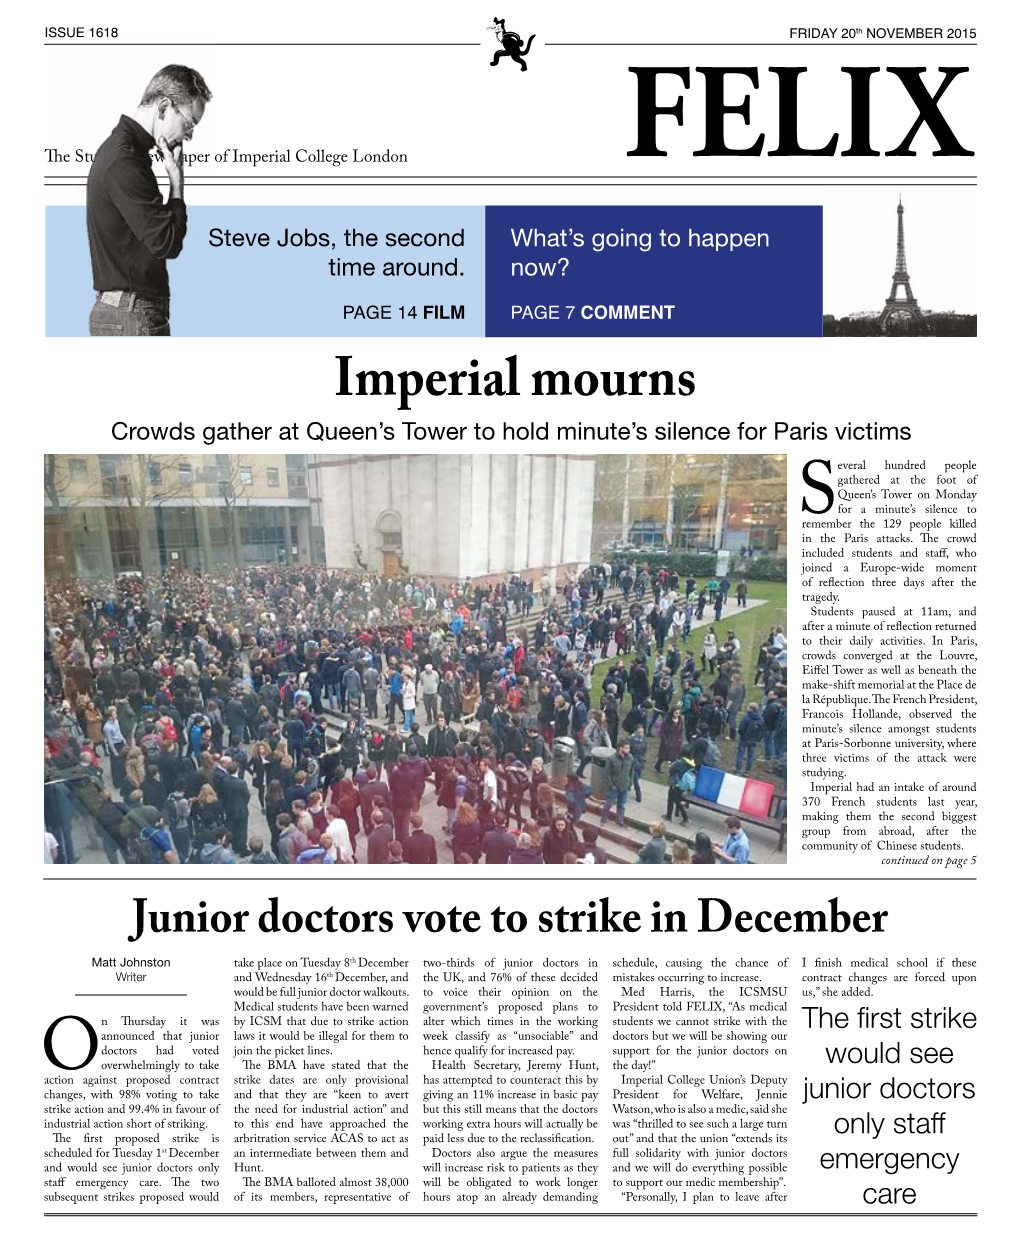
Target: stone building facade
{"x": 453, "y": 516}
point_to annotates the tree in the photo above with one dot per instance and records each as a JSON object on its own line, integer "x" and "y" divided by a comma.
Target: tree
{"x": 58, "y": 561}
{"x": 56, "y": 477}
{"x": 693, "y": 482}
{"x": 233, "y": 488}
{"x": 611, "y": 510}
{"x": 143, "y": 481}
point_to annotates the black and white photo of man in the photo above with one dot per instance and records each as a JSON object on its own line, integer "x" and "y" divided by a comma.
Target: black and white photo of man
{"x": 132, "y": 231}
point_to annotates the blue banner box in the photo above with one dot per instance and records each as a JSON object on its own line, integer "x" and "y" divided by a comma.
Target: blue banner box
{"x": 653, "y": 271}
{"x": 256, "y": 287}
{"x": 754, "y": 271}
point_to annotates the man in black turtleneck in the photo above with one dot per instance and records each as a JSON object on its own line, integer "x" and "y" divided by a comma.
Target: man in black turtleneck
{"x": 132, "y": 231}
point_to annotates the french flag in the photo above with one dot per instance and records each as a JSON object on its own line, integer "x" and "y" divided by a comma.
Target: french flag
{"x": 734, "y": 792}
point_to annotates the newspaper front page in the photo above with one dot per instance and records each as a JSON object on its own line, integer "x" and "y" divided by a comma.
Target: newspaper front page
{"x": 575, "y": 452}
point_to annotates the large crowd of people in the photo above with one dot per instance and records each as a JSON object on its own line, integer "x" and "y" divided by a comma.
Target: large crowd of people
{"x": 284, "y": 715}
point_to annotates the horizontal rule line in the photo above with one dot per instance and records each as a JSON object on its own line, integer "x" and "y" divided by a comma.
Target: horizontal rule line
{"x": 516, "y": 1214}
{"x": 847, "y": 44}
{"x": 308, "y": 877}
{"x": 132, "y": 995}
{"x": 482, "y": 185}
{"x": 537, "y": 176}
{"x": 99, "y": 43}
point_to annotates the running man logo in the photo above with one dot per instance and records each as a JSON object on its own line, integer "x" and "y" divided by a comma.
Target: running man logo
{"x": 511, "y": 43}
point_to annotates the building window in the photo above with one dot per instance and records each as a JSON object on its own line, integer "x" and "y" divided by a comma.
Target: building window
{"x": 297, "y": 475}
{"x": 184, "y": 474}
{"x": 115, "y": 484}
{"x": 155, "y": 474}
{"x": 78, "y": 467}
{"x": 244, "y": 475}
{"x": 272, "y": 477}
{"x": 391, "y": 532}
{"x": 648, "y": 534}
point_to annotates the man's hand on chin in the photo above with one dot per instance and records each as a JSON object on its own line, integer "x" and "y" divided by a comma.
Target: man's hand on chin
{"x": 174, "y": 164}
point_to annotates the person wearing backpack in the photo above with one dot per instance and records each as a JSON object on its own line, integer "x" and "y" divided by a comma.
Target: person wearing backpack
{"x": 176, "y": 811}
{"x": 161, "y": 846}
{"x": 216, "y": 852}
{"x": 750, "y": 734}
{"x": 258, "y": 854}
{"x": 692, "y": 699}
{"x": 150, "y": 744}
{"x": 137, "y": 818}
{"x": 705, "y": 752}
{"x": 683, "y": 775}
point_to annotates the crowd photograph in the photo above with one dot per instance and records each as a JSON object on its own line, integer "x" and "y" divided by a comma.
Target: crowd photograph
{"x": 350, "y": 660}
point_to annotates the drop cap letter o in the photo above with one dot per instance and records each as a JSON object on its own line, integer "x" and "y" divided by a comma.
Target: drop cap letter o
{"x": 48, "y": 1043}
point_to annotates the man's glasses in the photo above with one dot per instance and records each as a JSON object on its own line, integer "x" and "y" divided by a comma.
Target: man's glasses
{"x": 189, "y": 122}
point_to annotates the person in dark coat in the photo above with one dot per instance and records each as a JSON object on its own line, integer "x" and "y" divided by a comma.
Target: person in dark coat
{"x": 236, "y": 719}
{"x": 442, "y": 740}
{"x": 638, "y": 714}
{"x": 372, "y": 788}
{"x": 169, "y": 767}
{"x": 420, "y": 849}
{"x": 611, "y": 715}
{"x": 638, "y": 743}
{"x": 465, "y": 837}
{"x": 298, "y": 791}
{"x": 637, "y": 682}
{"x": 207, "y": 816}
{"x": 558, "y": 841}
{"x": 591, "y": 846}
{"x": 403, "y": 790}
{"x": 393, "y": 747}
{"x": 497, "y": 845}
{"x": 379, "y": 842}
{"x": 234, "y": 793}
{"x": 350, "y": 747}
{"x": 260, "y": 855}
{"x": 345, "y": 797}
{"x": 109, "y": 818}
{"x": 704, "y": 851}
{"x": 529, "y": 849}
{"x": 58, "y": 813}
{"x": 152, "y": 788}
{"x": 653, "y": 852}
{"x": 534, "y": 747}
{"x": 672, "y": 740}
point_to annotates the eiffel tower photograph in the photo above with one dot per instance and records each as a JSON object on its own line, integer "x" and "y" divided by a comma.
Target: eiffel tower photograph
{"x": 902, "y": 314}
